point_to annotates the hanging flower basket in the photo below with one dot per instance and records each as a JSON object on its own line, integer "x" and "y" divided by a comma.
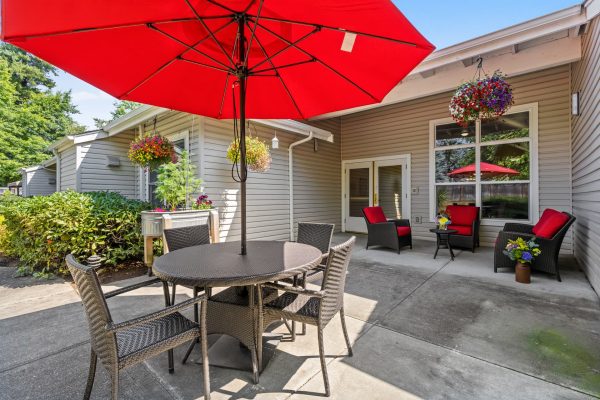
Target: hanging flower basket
{"x": 483, "y": 99}
{"x": 151, "y": 151}
{"x": 258, "y": 156}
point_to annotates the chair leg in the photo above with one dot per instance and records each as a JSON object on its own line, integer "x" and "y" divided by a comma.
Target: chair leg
{"x": 348, "y": 345}
{"x": 167, "y": 304}
{"x": 173, "y": 294}
{"x": 91, "y": 375}
{"x": 323, "y": 363}
{"x": 115, "y": 384}
{"x": 204, "y": 345}
{"x": 558, "y": 275}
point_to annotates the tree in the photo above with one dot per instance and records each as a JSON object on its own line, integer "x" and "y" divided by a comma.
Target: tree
{"x": 32, "y": 113}
{"x": 121, "y": 108}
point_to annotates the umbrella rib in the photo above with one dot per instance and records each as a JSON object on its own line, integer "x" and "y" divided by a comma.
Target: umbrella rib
{"x": 282, "y": 66}
{"x": 192, "y": 48}
{"x": 109, "y": 27}
{"x": 404, "y": 42}
{"x": 224, "y": 7}
{"x": 287, "y": 90}
{"x": 253, "y": 31}
{"x": 203, "y": 65}
{"x": 309, "y": 34}
{"x": 335, "y": 71}
{"x": 212, "y": 35}
{"x": 224, "y": 95}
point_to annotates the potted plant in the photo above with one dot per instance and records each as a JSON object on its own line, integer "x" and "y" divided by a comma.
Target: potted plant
{"x": 443, "y": 221}
{"x": 202, "y": 203}
{"x": 151, "y": 150}
{"x": 523, "y": 252}
{"x": 258, "y": 156}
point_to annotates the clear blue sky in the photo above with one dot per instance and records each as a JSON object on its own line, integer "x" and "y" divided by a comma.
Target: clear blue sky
{"x": 443, "y": 22}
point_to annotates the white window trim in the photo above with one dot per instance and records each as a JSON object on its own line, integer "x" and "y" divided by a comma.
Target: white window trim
{"x": 185, "y": 135}
{"x": 534, "y": 205}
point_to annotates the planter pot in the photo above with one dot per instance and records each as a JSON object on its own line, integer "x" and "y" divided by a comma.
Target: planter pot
{"x": 153, "y": 221}
{"x": 522, "y": 273}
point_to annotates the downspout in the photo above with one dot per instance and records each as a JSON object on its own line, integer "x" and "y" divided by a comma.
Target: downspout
{"x": 291, "y": 179}
{"x": 55, "y": 152}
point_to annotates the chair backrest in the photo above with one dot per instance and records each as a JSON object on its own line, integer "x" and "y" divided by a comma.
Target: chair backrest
{"x": 179, "y": 238}
{"x": 462, "y": 215}
{"x": 317, "y": 235}
{"x": 334, "y": 280}
{"x": 98, "y": 316}
{"x": 374, "y": 215}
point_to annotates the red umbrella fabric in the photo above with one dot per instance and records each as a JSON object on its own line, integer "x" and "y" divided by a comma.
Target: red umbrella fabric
{"x": 228, "y": 58}
{"x": 485, "y": 168}
{"x": 182, "y": 54}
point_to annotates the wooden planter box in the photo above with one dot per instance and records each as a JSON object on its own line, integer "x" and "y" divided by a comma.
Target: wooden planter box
{"x": 153, "y": 223}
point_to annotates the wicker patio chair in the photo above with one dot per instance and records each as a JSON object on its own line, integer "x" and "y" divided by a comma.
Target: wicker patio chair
{"x": 317, "y": 235}
{"x": 314, "y": 307}
{"x": 393, "y": 233}
{"x": 121, "y": 345}
{"x": 547, "y": 261}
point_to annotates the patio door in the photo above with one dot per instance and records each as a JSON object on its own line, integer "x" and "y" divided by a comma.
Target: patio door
{"x": 383, "y": 182}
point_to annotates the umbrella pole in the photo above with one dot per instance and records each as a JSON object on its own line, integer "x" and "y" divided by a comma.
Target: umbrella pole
{"x": 243, "y": 75}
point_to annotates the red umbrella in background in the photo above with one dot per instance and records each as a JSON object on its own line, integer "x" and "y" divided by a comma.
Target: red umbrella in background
{"x": 485, "y": 168}
{"x": 225, "y": 59}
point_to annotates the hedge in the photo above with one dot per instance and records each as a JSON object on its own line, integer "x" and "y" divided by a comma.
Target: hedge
{"x": 42, "y": 230}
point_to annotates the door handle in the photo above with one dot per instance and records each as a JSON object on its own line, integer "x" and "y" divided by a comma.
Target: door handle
{"x": 375, "y": 199}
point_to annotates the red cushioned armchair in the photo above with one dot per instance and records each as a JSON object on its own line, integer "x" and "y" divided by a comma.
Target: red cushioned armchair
{"x": 464, "y": 219}
{"x": 393, "y": 233}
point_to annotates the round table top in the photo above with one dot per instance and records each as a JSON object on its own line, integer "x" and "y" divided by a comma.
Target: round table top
{"x": 220, "y": 264}
{"x": 443, "y": 231}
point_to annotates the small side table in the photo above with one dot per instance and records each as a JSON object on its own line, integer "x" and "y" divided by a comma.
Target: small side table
{"x": 443, "y": 239}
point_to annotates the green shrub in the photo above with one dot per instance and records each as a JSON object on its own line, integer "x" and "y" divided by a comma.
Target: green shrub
{"x": 42, "y": 230}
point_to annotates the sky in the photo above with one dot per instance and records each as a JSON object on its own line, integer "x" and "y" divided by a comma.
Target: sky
{"x": 442, "y": 22}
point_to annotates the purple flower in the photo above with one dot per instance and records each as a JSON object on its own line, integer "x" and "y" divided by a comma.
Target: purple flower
{"x": 526, "y": 256}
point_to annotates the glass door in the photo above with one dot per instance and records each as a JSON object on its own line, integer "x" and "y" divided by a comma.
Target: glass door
{"x": 359, "y": 189}
{"x": 391, "y": 188}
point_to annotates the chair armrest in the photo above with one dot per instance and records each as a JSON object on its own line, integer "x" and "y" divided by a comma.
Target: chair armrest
{"x": 400, "y": 222}
{"x": 521, "y": 228}
{"x": 294, "y": 289}
{"x": 112, "y": 327}
{"x": 382, "y": 227}
{"x": 129, "y": 288}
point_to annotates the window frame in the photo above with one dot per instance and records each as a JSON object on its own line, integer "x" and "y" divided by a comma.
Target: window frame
{"x": 174, "y": 137}
{"x": 533, "y": 181}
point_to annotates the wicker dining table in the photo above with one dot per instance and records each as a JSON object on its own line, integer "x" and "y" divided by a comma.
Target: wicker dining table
{"x": 236, "y": 310}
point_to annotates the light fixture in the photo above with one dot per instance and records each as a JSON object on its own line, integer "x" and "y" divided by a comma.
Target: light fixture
{"x": 575, "y": 103}
{"x": 464, "y": 133}
{"x": 275, "y": 142}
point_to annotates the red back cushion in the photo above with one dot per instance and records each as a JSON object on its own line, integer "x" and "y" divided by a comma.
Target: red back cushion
{"x": 462, "y": 215}
{"x": 374, "y": 214}
{"x": 550, "y": 223}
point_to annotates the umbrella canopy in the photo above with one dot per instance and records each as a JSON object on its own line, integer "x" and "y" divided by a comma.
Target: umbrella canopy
{"x": 227, "y": 58}
{"x": 485, "y": 168}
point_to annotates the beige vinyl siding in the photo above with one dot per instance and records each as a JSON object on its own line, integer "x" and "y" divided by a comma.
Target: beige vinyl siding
{"x": 404, "y": 129}
{"x": 317, "y": 176}
{"x": 586, "y": 147}
{"x": 94, "y": 173}
{"x": 68, "y": 169}
{"x": 40, "y": 182}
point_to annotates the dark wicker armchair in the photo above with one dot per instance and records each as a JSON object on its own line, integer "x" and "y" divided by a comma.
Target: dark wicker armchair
{"x": 465, "y": 220}
{"x": 314, "y": 307}
{"x": 547, "y": 261}
{"x": 394, "y": 234}
{"x": 121, "y": 345}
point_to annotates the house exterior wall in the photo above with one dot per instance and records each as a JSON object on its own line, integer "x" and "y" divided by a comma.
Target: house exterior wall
{"x": 586, "y": 147}
{"x": 317, "y": 190}
{"x": 94, "y": 174}
{"x": 403, "y": 128}
{"x": 39, "y": 182}
{"x": 68, "y": 168}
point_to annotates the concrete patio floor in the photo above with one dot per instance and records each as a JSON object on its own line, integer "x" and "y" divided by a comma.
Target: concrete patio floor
{"x": 421, "y": 328}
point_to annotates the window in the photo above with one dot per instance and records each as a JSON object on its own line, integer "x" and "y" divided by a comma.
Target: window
{"x": 490, "y": 164}
{"x": 180, "y": 143}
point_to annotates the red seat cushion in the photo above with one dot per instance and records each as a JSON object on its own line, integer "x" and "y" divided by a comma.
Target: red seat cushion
{"x": 462, "y": 229}
{"x": 374, "y": 215}
{"x": 462, "y": 215}
{"x": 403, "y": 230}
{"x": 550, "y": 223}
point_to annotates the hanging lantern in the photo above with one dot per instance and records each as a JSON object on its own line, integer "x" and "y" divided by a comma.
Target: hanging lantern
{"x": 275, "y": 142}
{"x": 482, "y": 98}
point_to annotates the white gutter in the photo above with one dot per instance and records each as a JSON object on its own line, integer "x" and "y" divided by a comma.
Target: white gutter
{"x": 291, "y": 178}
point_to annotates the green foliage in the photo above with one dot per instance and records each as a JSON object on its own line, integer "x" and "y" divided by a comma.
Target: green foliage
{"x": 258, "y": 156}
{"x": 32, "y": 113}
{"x": 42, "y": 230}
{"x": 177, "y": 182}
{"x": 121, "y": 108}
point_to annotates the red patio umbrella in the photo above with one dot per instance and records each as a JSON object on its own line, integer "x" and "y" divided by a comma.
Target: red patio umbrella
{"x": 485, "y": 168}
{"x": 228, "y": 58}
